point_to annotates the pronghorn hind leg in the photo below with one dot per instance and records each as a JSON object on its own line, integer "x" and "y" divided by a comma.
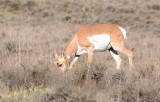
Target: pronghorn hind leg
{"x": 116, "y": 57}
{"x": 90, "y": 55}
{"x": 129, "y": 54}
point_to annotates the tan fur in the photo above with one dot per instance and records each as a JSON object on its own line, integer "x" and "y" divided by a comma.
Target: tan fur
{"x": 81, "y": 37}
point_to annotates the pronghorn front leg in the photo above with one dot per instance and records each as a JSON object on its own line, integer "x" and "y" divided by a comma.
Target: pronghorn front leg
{"x": 90, "y": 54}
{"x": 73, "y": 61}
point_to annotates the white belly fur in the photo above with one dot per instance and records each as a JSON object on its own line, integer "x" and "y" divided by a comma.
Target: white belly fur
{"x": 100, "y": 42}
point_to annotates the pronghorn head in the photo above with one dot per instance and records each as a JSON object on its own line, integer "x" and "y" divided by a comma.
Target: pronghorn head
{"x": 60, "y": 61}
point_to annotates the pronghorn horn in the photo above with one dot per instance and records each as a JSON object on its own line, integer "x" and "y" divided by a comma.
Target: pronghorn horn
{"x": 55, "y": 53}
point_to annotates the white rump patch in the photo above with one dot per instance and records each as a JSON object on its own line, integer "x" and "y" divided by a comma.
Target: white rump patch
{"x": 123, "y": 31}
{"x": 100, "y": 42}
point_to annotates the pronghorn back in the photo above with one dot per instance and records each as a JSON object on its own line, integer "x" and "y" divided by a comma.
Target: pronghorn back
{"x": 116, "y": 34}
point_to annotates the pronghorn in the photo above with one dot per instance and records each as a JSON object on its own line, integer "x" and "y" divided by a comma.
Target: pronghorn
{"x": 88, "y": 39}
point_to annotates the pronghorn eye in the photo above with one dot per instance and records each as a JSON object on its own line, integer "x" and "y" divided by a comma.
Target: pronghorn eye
{"x": 59, "y": 65}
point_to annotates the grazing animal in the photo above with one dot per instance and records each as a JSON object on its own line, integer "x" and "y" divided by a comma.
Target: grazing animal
{"x": 89, "y": 39}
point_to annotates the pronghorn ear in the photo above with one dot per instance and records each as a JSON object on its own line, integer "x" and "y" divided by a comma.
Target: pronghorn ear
{"x": 55, "y": 53}
{"x": 62, "y": 54}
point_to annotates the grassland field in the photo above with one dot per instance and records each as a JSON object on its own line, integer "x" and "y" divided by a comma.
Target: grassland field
{"x": 30, "y": 29}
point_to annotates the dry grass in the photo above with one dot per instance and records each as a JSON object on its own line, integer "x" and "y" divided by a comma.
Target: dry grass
{"x": 29, "y": 30}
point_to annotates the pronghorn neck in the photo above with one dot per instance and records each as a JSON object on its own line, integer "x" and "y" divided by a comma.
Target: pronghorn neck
{"x": 72, "y": 48}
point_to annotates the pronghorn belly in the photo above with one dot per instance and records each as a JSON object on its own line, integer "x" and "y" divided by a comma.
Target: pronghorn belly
{"x": 100, "y": 42}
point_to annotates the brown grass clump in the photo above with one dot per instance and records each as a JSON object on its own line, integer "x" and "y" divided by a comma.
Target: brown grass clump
{"x": 29, "y": 30}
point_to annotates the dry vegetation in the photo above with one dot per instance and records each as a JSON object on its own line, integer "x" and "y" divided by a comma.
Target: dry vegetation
{"x": 30, "y": 29}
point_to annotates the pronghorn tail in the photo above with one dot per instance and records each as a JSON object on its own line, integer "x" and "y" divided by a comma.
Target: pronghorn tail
{"x": 123, "y": 32}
